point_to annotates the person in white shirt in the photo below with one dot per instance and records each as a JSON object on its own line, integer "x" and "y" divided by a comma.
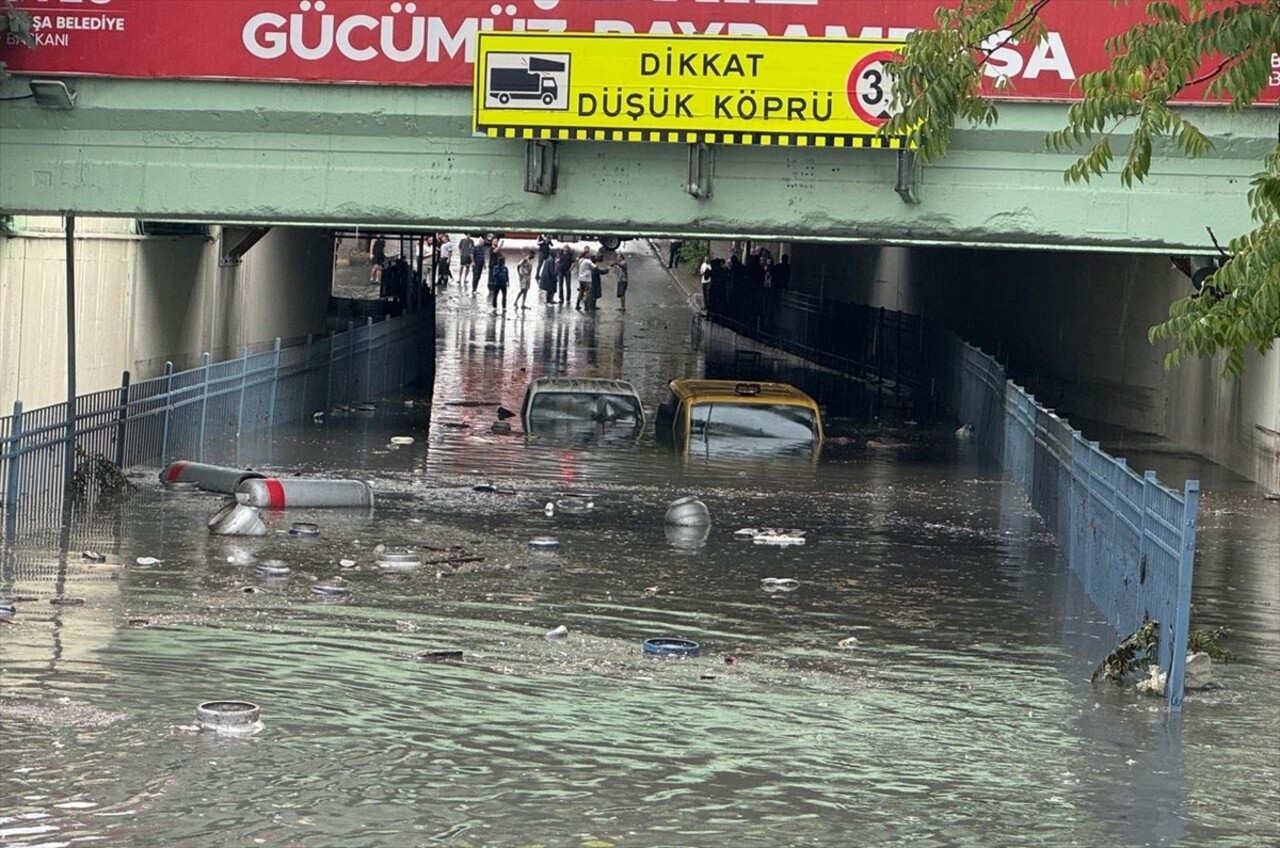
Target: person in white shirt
{"x": 585, "y": 267}
{"x": 443, "y": 274}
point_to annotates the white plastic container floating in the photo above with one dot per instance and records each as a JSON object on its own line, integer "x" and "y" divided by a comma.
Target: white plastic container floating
{"x": 272, "y": 568}
{"x": 237, "y": 519}
{"x": 779, "y": 584}
{"x": 209, "y": 478}
{"x": 771, "y": 535}
{"x": 687, "y": 538}
{"x": 558, "y": 633}
{"x": 396, "y": 561}
{"x": 575, "y": 504}
{"x": 289, "y": 492}
{"x": 402, "y": 440}
{"x": 775, "y": 536}
{"x": 688, "y": 512}
{"x": 241, "y": 717}
{"x": 330, "y": 590}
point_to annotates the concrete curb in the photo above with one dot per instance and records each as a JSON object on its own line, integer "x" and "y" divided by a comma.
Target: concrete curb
{"x": 692, "y": 295}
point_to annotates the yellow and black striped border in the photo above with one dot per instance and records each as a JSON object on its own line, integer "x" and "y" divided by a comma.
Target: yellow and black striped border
{"x": 762, "y": 139}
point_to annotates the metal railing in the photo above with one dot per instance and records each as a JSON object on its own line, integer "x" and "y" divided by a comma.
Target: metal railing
{"x": 1129, "y": 539}
{"x": 883, "y": 349}
{"x": 196, "y": 413}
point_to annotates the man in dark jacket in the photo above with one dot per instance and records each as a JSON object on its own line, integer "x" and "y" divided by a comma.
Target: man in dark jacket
{"x": 547, "y": 277}
{"x": 780, "y": 273}
{"x": 564, "y": 270}
{"x": 479, "y": 255}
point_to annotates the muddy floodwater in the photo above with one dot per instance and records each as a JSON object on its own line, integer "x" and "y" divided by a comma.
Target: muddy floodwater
{"x": 926, "y": 683}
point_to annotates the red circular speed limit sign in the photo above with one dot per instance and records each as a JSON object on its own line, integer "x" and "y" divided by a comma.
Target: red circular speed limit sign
{"x": 870, "y": 89}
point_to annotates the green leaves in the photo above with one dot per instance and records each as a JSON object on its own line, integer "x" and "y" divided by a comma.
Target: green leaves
{"x": 16, "y": 23}
{"x": 1225, "y": 45}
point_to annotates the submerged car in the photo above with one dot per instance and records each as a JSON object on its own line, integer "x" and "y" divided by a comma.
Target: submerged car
{"x": 575, "y": 407}
{"x": 732, "y": 417}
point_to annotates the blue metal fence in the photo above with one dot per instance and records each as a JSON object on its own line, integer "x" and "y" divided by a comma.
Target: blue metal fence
{"x": 188, "y": 414}
{"x": 1130, "y": 539}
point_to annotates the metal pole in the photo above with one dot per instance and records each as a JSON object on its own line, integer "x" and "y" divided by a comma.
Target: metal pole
{"x": 168, "y": 412}
{"x": 69, "y": 470}
{"x": 14, "y": 452}
{"x": 275, "y": 382}
{"x": 122, "y": 416}
{"x": 1182, "y": 611}
{"x": 204, "y": 403}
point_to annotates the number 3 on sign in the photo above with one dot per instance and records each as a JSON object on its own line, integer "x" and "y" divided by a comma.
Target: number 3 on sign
{"x": 871, "y": 89}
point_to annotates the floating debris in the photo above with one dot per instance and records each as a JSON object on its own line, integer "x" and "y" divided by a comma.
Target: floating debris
{"x": 847, "y": 643}
{"x": 145, "y": 561}
{"x": 402, "y": 440}
{"x": 439, "y": 656}
{"x": 93, "y": 556}
{"x": 62, "y": 601}
{"x": 558, "y": 633}
{"x": 779, "y": 584}
{"x": 688, "y": 512}
{"x": 544, "y": 543}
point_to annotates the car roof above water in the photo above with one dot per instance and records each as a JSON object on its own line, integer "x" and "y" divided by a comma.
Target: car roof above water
{"x": 744, "y": 391}
{"x": 581, "y": 385}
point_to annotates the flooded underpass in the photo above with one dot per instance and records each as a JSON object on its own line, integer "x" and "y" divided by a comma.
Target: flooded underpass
{"x": 924, "y": 681}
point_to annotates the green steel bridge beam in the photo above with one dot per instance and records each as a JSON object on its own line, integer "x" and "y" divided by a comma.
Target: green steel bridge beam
{"x": 406, "y": 158}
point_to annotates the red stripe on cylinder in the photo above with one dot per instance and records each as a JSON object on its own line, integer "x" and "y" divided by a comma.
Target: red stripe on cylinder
{"x": 175, "y": 471}
{"x": 275, "y": 493}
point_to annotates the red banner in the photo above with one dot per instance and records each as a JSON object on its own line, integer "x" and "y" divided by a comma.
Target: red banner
{"x": 432, "y": 42}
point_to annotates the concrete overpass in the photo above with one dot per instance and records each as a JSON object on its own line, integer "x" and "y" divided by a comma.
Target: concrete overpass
{"x": 397, "y": 157}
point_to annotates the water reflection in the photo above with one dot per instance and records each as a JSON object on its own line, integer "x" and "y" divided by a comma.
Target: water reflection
{"x": 962, "y": 716}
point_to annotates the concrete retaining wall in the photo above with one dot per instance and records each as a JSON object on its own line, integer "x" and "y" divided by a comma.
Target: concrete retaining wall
{"x": 1073, "y": 328}
{"x": 145, "y": 300}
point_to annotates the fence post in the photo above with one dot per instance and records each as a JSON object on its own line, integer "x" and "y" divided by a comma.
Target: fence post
{"x": 275, "y": 381}
{"x": 1182, "y": 607}
{"x": 168, "y": 409}
{"x": 368, "y": 358}
{"x": 244, "y": 379}
{"x": 328, "y": 386}
{"x": 14, "y": 453}
{"x": 122, "y": 416}
{"x": 204, "y": 403}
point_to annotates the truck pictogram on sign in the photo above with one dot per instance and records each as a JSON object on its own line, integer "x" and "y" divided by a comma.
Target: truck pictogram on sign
{"x": 523, "y": 81}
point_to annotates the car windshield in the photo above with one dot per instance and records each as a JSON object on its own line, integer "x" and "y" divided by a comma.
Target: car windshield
{"x": 562, "y": 407}
{"x": 752, "y": 428}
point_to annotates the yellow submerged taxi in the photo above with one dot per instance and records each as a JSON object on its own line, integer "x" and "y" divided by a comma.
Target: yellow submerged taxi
{"x": 706, "y": 417}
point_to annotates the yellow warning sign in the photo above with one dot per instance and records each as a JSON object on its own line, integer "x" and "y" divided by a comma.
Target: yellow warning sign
{"x": 808, "y": 92}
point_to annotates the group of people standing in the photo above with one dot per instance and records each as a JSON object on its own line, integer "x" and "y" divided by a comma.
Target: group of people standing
{"x": 720, "y": 279}
{"x": 559, "y": 269}
{"x": 555, "y": 270}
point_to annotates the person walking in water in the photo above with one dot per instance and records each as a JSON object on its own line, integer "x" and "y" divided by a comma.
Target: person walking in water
{"x": 499, "y": 276}
{"x": 564, "y": 270}
{"x": 585, "y": 267}
{"x": 547, "y": 277}
{"x": 524, "y": 270}
{"x": 673, "y": 253}
{"x": 464, "y": 259}
{"x": 479, "y": 251}
{"x": 377, "y": 259}
{"x": 621, "y": 268}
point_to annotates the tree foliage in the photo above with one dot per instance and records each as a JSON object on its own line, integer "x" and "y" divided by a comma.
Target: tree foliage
{"x": 1226, "y": 46}
{"x": 16, "y": 24}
